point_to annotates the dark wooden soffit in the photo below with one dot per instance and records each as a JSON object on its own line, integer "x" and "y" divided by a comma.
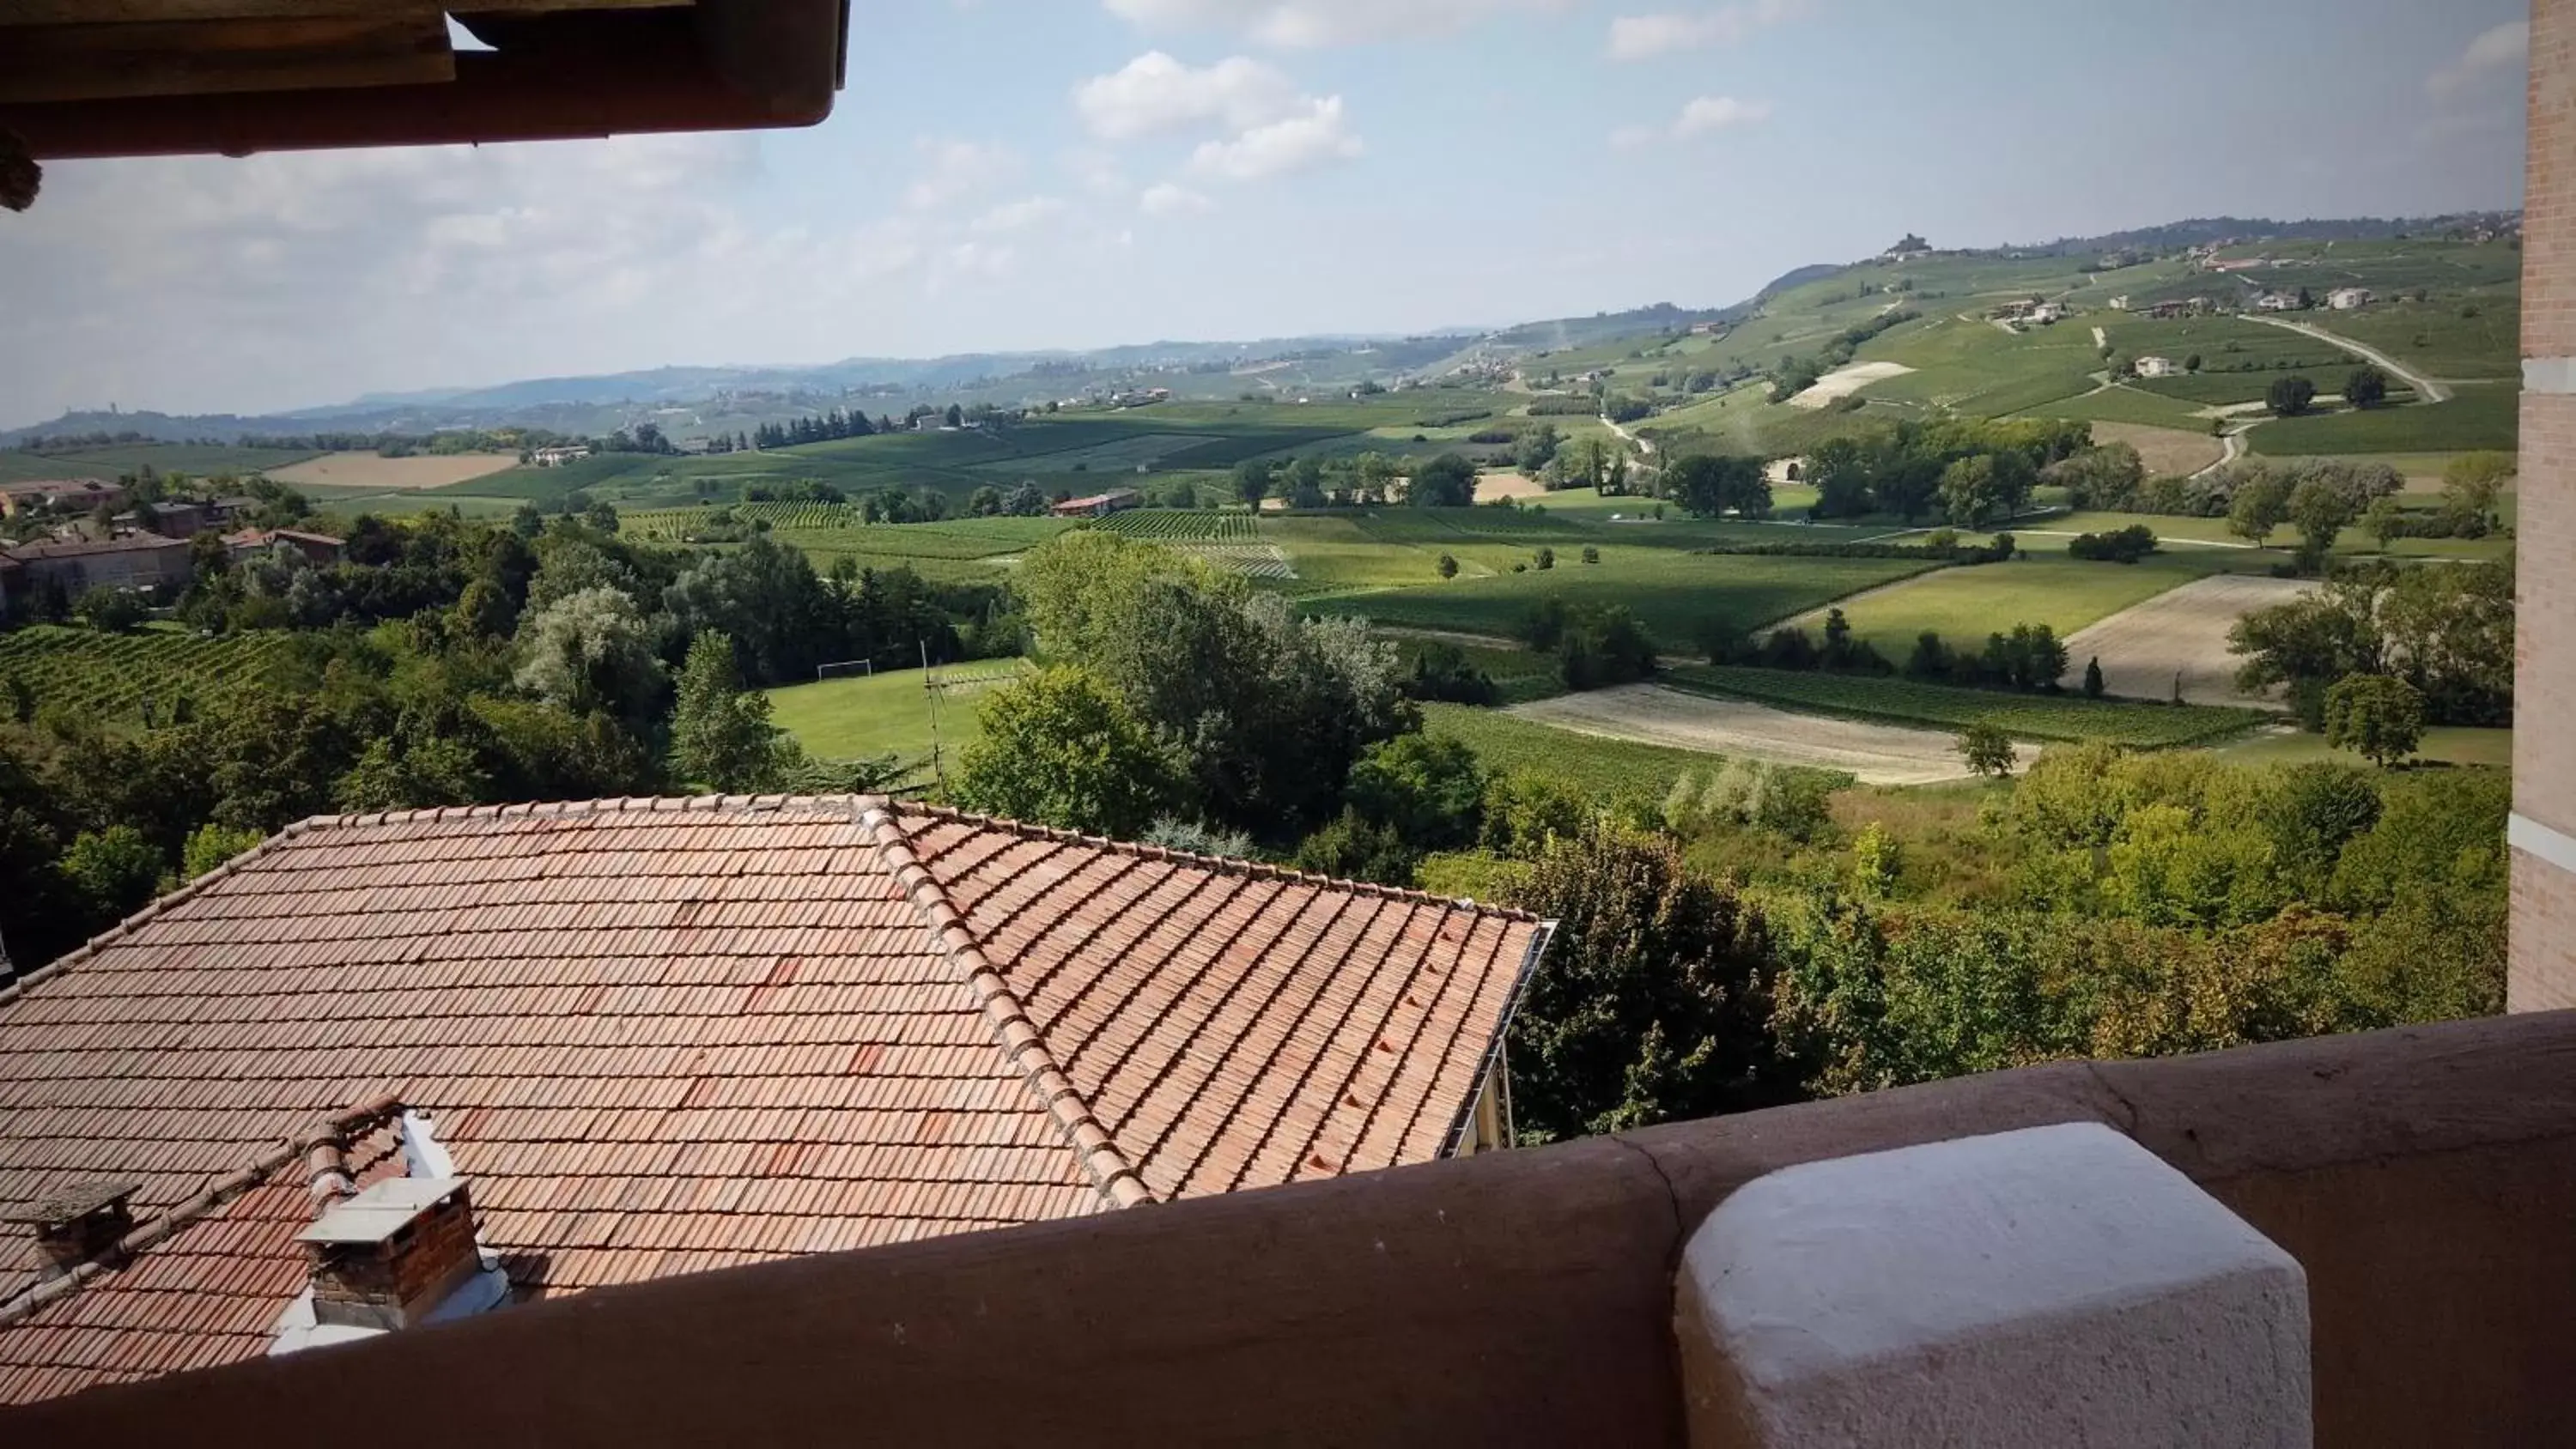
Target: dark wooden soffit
{"x": 84, "y": 78}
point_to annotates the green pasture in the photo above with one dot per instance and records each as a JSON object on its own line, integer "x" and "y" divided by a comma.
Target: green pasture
{"x": 1601, "y": 769}
{"x": 890, "y": 713}
{"x": 2442, "y": 744}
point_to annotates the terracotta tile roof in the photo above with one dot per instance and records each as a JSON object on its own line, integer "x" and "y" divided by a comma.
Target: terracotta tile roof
{"x": 667, "y": 1036}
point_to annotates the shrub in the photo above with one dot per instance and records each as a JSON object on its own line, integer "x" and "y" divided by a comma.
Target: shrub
{"x": 2126, "y": 545}
{"x": 1591, "y": 555}
{"x": 1442, "y": 671}
{"x": 1988, "y": 749}
{"x": 1448, "y": 567}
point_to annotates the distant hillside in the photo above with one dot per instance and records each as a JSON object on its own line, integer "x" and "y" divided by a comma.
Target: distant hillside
{"x": 2205, "y": 231}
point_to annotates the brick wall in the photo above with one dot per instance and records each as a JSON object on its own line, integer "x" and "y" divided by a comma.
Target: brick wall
{"x": 2542, "y": 970}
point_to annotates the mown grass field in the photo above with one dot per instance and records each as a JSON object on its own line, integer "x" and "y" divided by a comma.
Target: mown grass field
{"x": 1675, "y": 595}
{"x": 109, "y": 676}
{"x": 890, "y": 713}
{"x": 1964, "y": 605}
{"x": 2024, "y": 716}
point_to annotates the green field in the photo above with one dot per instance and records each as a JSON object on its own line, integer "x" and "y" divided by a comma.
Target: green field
{"x": 2024, "y": 716}
{"x": 2444, "y": 744}
{"x": 2483, "y": 415}
{"x": 1676, "y": 595}
{"x": 1964, "y": 605}
{"x": 862, "y": 718}
{"x": 109, "y": 676}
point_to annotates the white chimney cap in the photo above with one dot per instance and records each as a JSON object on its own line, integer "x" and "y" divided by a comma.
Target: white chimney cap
{"x": 382, "y": 1210}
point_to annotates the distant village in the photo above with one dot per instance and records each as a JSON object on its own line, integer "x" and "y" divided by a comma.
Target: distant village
{"x": 91, "y": 535}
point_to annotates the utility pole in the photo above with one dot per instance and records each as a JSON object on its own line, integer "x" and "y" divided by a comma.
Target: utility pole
{"x": 930, "y": 685}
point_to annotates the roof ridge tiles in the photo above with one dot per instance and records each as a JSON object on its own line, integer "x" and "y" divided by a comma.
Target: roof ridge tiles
{"x": 1021, "y": 1042}
{"x": 1222, "y": 864}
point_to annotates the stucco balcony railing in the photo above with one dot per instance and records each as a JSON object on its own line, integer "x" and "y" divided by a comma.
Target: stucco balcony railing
{"x": 2423, "y": 1180}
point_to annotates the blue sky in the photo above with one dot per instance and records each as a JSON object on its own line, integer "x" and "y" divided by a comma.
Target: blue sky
{"x": 1077, "y": 173}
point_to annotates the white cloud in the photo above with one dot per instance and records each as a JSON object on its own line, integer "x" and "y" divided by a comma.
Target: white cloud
{"x": 1298, "y": 143}
{"x": 1643, "y": 37}
{"x": 2493, "y": 56}
{"x": 1019, "y": 215}
{"x": 955, "y": 170}
{"x": 1302, "y": 24}
{"x": 1155, "y": 94}
{"x": 1169, "y": 198}
{"x": 1699, "y": 117}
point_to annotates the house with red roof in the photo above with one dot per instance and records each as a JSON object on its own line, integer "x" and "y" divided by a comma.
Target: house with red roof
{"x": 383, "y": 1058}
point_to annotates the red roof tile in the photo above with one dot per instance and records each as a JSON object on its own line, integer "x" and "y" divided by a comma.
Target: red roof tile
{"x": 664, "y": 1036}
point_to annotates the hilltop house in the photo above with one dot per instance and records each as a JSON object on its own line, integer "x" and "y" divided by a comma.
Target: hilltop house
{"x": 319, "y": 549}
{"x": 557, "y": 457}
{"x": 76, "y": 494}
{"x": 1099, "y": 505}
{"x": 145, "y": 562}
{"x": 2346, "y": 299}
{"x": 662, "y": 1037}
{"x": 2157, "y": 367}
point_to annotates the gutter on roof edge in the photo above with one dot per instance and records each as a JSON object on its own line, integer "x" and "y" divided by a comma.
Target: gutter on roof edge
{"x": 1458, "y": 1125}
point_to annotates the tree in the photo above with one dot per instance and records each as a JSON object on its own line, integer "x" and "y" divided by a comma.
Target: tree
{"x": 1429, "y": 790}
{"x": 2261, "y": 504}
{"x": 2321, "y": 510}
{"x": 956, "y": 416}
{"x": 2093, "y": 686}
{"x": 112, "y": 610}
{"x": 115, "y": 870}
{"x": 2289, "y": 396}
{"x": 1988, "y": 749}
{"x": 1062, "y": 748}
{"x": 1537, "y": 448}
{"x": 2473, "y": 483}
{"x": 2191, "y": 362}
{"x": 1708, "y": 484}
{"x": 1653, "y": 1002}
{"x": 1545, "y": 558}
{"x": 1252, "y": 478}
{"x": 1986, "y": 486}
{"x": 2367, "y": 387}
{"x": 1448, "y": 481}
{"x": 591, "y": 653}
{"x": 984, "y": 502}
{"x": 211, "y": 846}
{"x": 1448, "y": 566}
{"x": 721, "y": 736}
{"x": 2375, "y": 716}
{"x": 2386, "y": 521}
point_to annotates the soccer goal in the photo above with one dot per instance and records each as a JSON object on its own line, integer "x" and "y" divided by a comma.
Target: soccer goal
{"x": 846, "y": 669}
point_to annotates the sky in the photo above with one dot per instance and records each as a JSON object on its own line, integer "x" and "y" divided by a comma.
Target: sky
{"x": 1027, "y": 174}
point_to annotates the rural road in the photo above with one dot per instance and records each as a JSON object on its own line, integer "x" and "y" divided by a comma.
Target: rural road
{"x": 2233, "y": 448}
{"x": 2426, "y": 388}
{"x": 1630, "y": 438}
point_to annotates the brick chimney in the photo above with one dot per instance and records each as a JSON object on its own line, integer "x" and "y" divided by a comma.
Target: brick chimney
{"x": 80, "y": 1222}
{"x": 390, "y": 1256}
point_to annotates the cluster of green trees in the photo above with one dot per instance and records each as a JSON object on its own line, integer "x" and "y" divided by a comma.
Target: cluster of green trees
{"x": 1974, "y": 470}
{"x": 2106, "y": 905}
{"x": 2119, "y": 545}
{"x": 1366, "y": 481}
{"x": 2030, "y": 657}
{"x": 447, "y": 662}
{"x": 2445, "y": 630}
{"x": 1175, "y": 691}
{"x": 1595, "y": 645}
